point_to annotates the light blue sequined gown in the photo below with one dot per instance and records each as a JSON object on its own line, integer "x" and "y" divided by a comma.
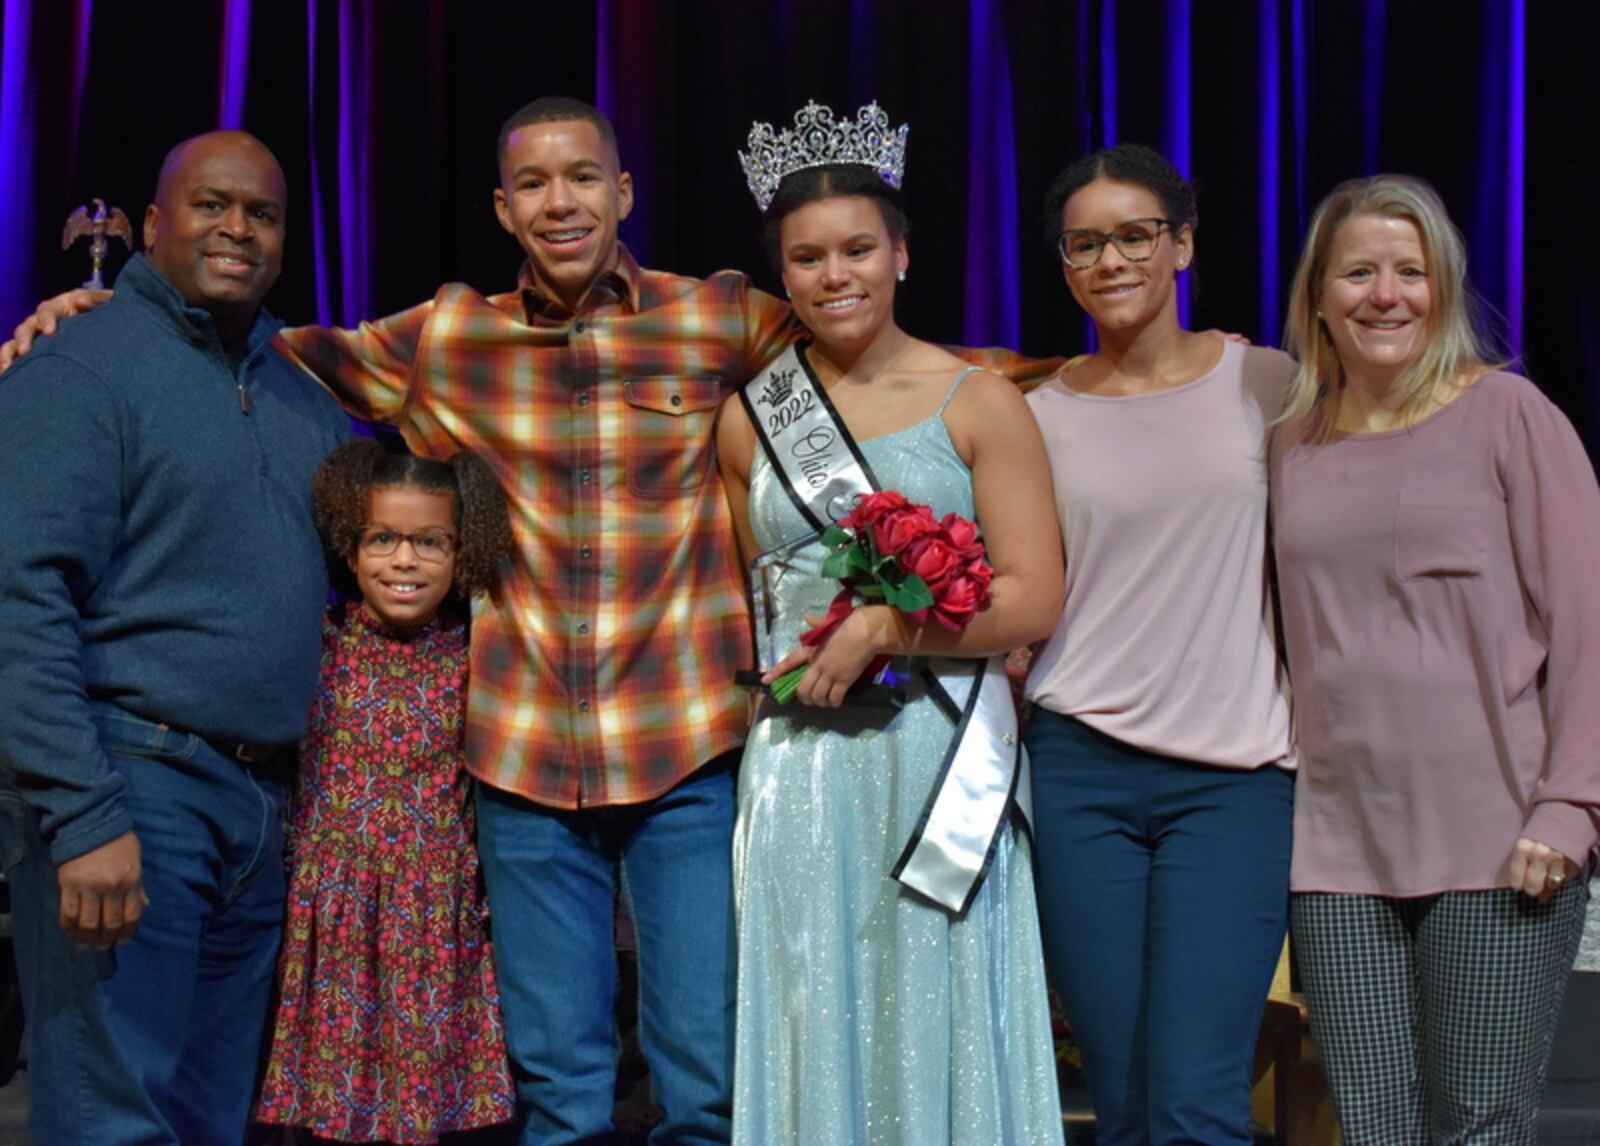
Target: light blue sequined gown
{"x": 865, "y": 1014}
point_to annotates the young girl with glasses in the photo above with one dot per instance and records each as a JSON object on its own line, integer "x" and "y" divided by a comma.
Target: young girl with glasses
{"x": 388, "y": 1023}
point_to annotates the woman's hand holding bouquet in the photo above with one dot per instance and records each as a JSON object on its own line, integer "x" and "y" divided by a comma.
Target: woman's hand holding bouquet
{"x": 891, "y": 552}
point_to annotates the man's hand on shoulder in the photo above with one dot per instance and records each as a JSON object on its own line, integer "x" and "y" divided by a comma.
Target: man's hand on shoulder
{"x": 43, "y": 321}
{"x": 102, "y": 893}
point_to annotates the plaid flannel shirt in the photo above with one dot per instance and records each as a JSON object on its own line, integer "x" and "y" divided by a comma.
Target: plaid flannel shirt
{"x": 602, "y": 673}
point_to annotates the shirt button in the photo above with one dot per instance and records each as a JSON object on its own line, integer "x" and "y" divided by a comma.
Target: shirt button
{"x": 583, "y": 397}
{"x": 583, "y": 628}
{"x": 586, "y": 553}
{"x": 583, "y": 706}
{"x": 583, "y": 476}
{"x": 677, "y": 399}
{"x": 579, "y": 327}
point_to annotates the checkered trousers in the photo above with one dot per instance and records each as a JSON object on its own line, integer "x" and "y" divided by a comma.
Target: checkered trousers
{"x": 1434, "y": 1016}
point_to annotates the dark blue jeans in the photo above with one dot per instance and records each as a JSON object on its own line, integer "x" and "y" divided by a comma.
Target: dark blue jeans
{"x": 1164, "y": 891}
{"x": 157, "y": 1040}
{"x": 552, "y": 880}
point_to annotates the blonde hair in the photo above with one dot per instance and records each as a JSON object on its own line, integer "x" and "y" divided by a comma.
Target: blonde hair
{"x": 1456, "y": 347}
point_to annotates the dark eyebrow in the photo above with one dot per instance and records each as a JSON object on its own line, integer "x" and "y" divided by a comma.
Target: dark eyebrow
{"x": 801, "y": 244}
{"x": 536, "y": 169}
{"x": 1125, "y": 223}
{"x": 220, "y": 193}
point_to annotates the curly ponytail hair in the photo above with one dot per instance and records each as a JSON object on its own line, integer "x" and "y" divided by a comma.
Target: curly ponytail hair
{"x": 484, "y": 524}
{"x": 342, "y": 490}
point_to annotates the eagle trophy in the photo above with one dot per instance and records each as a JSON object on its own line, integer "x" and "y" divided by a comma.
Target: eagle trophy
{"x": 104, "y": 223}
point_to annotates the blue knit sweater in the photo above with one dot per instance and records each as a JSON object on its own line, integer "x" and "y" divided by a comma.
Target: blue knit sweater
{"x": 156, "y": 545}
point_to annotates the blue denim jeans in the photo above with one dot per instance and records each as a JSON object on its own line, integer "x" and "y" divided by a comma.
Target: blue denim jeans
{"x": 157, "y": 1040}
{"x": 552, "y": 878}
{"x": 1164, "y": 897}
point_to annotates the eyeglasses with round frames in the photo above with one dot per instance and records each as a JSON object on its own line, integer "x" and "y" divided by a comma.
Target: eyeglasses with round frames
{"x": 1080, "y": 247}
{"x": 432, "y": 545}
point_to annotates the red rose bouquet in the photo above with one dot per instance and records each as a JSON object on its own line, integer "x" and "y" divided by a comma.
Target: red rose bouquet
{"x": 888, "y": 550}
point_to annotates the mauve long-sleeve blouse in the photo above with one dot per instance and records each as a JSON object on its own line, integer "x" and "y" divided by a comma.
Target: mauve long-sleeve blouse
{"x": 1440, "y": 588}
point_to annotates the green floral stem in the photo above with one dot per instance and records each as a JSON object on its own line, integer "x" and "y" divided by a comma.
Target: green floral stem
{"x": 782, "y": 689}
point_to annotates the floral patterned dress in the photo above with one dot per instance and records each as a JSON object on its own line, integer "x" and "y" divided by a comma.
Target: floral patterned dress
{"x": 388, "y": 1024}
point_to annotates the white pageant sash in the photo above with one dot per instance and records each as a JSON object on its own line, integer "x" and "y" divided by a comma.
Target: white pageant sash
{"x": 985, "y": 773}
{"x": 985, "y": 768}
{"x": 822, "y": 468}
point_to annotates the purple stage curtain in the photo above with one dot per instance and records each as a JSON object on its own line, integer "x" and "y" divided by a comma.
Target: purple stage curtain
{"x": 385, "y": 114}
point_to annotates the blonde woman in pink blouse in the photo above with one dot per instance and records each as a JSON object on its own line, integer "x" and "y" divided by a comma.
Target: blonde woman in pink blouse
{"x": 1438, "y": 537}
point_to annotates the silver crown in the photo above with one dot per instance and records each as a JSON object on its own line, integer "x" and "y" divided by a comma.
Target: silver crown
{"x": 816, "y": 140}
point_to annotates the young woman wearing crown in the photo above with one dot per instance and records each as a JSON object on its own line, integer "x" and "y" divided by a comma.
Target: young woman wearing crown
{"x": 891, "y": 984}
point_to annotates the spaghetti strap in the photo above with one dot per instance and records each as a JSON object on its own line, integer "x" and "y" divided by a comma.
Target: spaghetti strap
{"x": 954, "y": 386}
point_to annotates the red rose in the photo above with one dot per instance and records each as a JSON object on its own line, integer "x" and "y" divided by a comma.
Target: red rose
{"x": 955, "y": 602}
{"x": 932, "y": 558}
{"x": 963, "y": 533}
{"x": 894, "y": 532}
{"x": 981, "y": 572}
{"x": 871, "y": 507}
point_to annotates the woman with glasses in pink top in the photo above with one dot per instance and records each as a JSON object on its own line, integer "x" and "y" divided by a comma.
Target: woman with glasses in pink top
{"x": 1159, "y": 735}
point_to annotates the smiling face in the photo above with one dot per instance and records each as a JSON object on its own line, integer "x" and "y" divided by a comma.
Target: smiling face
{"x": 562, "y": 194}
{"x": 216, "y": 229}
{"x": 1116, "y": 293}
{"x": 402, "y": 588}
{"x": 839, "y": 265}
{"x": 1375, "y": 299}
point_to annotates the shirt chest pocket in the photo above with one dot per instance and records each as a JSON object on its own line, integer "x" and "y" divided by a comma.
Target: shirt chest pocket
{"x": 1444, "y": 532}
{"x": 667, "y": 424}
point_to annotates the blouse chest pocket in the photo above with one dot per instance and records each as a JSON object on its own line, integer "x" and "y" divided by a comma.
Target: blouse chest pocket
{"x": 1444, "y": 532}
{"x": 667, "y": 432}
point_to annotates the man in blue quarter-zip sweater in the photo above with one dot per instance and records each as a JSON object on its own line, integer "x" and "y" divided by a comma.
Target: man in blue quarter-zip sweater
{"x": 161, "y": 592}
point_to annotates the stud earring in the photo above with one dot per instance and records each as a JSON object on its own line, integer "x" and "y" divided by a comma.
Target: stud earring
{"x": 899, "y": 276}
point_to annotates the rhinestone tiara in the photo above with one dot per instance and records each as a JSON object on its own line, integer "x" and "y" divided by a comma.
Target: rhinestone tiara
{"x": 817, "y": 140}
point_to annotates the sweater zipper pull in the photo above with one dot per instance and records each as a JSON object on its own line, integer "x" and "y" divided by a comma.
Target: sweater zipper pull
{"x": 244, "y": 399}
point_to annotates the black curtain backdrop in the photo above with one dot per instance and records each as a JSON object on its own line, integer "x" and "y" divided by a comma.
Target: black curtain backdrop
{"x": 385, "y": 115}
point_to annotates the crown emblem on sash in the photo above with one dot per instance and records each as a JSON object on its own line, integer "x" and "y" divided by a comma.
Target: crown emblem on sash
{"x": 817, "y": 140}
{"x": 778, "y": 388}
